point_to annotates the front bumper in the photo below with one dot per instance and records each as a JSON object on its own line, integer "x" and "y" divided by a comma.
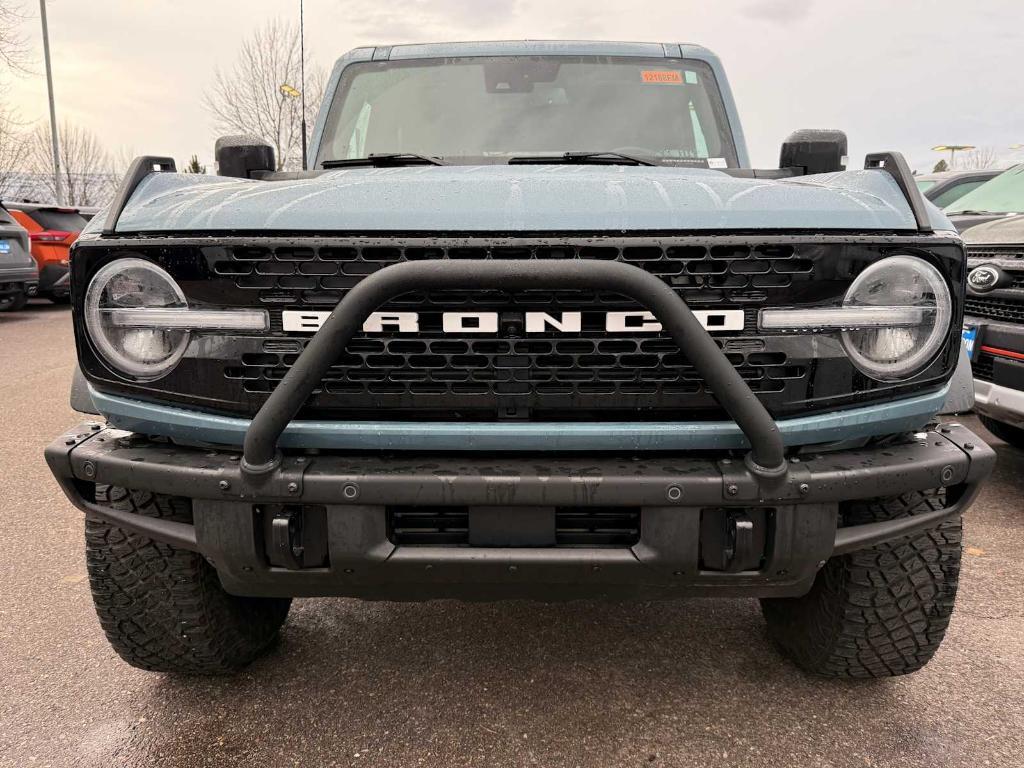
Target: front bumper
{"x": 1002, "y": 345}
{"x": 1003, "y": 404}
{"x": 672, "y": 493}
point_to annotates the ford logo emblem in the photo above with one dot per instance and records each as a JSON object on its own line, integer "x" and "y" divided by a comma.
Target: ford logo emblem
{"x": 984, "y": 278}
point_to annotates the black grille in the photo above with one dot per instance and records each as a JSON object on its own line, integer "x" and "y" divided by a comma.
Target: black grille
{"x": 429, "y": 526}
{"x": 597, "y": 526}
{"x": 571, "y": 368}
{"x": 978, "y": 255}
{"x": 574, "y": 526}
{"x": 992, "y": 308}
{"x": 982, "y": 367}
{"x": 704, "y": 274}
{"x": 590, "y": 375}
{"x": 542, "y": 376}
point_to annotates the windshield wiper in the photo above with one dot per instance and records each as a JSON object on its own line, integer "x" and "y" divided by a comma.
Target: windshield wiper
{"x": 970, "y": 212}
{"x": 383, "y": 160}
{"x": 579, "y": 158}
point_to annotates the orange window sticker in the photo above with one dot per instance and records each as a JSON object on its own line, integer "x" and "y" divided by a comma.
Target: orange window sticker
{"x": 656, "y": 76}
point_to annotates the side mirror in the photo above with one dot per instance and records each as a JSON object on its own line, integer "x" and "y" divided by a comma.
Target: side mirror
{"x": 814, "y": 151}
{"x": 243, "y": 157}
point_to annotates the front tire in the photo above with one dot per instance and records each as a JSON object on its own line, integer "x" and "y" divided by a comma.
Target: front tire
{"x": 877, "y": 612}
{"x": 163, "y": 608}
{"x": 1005, "y": 432}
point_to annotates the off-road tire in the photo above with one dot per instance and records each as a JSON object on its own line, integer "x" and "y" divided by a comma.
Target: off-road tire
{"x": 163, "y": 608}
{"x": 1005, "y": 432}
{"x": 877, "y": 612}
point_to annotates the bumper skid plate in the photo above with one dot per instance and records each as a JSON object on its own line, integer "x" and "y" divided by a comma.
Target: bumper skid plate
{"x": 348, "y": 501}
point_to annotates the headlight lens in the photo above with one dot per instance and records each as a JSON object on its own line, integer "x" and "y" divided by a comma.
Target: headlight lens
{"x": 895, "y": 353}
{"x": 140, "y": 353}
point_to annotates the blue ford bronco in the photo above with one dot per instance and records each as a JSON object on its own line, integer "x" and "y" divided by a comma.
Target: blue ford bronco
{"x": 529, "y": 327}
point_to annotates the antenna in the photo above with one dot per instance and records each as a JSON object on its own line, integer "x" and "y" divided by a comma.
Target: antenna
{"x": 302, "y": 77}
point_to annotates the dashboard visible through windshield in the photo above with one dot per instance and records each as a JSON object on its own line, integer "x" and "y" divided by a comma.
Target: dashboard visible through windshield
{"x": 472, "y": 110}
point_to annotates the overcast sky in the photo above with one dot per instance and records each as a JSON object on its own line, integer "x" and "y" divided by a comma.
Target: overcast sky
{"x": 894, "y": 74}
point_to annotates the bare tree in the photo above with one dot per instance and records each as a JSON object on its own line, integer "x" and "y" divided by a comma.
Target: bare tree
{"x": 249, "y": 97}
{"x": 977, "y": 159}
{"x": 87, "y": 171}
{"x": 14, "y": 49}
{"x": 13, "y": 148}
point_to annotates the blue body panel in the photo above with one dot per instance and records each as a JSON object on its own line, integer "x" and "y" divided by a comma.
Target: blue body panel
{"x": 501, "y": 198}
{"x": 195, "y": 427}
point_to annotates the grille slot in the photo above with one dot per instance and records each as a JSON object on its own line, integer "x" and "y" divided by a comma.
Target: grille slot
{"x": 993, "y": 308}
{"x": 428, "y": 526}
{"x": 982, "y": 367}
{"x": 600, "y": 527}
{"x": 597, "y": 526}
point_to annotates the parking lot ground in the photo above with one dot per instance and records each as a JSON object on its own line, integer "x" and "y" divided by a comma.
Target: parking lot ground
{"x": 452, "y": 684}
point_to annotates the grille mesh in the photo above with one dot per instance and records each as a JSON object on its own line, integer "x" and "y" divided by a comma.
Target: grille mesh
{"x": 589, "y": 375}
{"x": 992, "y": 308}
{"x": 702, "y": 273}
{"x": 521, "y": 375}
{"x": 982, "y": 366}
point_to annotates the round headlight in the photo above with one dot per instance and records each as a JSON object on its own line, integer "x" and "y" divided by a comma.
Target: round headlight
{"x": 130, "y": 284}
{"x": 901, "y": 350}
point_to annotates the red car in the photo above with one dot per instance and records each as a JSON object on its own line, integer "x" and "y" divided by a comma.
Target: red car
{"x": 51, "y": 230}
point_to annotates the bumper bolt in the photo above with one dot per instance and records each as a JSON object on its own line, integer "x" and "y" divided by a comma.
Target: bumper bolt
{"x": 89, "y": 469}
{"x": 968, "y": 446}
{"x": 945, "y": 430}
{"x": 805, "y": 488}
{"x": 224, "y": 485}
{"x": 674, "y": 493}
{"x": 293, "y": 487}
{"x": 947, "y": 474}
{"x": 69, "y": 441}
{"x": 349, "y": 491}
{"x": 732, "y": 490}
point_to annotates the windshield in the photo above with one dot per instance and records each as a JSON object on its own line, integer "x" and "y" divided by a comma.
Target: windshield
{"x": 1003, "y": 194}
{"x": 925, "y": 184}
{"x": 489, "y": 109}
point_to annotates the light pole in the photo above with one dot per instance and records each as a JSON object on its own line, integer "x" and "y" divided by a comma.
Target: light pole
{"x": 57, "y": 186}
{"x": 302, "y": 77}
{"x": 292, "y": 92}
{"x": 953, "y": 149}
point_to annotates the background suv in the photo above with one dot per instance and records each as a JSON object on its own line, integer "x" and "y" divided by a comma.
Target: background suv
{"x": 51, "y": 231}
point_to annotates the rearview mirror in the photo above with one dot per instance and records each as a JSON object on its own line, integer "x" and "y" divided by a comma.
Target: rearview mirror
{"x": 814, "y": 151}
{"x": 243, "y": 157}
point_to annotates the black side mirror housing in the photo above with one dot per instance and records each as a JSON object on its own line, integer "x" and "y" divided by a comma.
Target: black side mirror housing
{"x": 243, "y": 157}
{"x": 814, "y": 151}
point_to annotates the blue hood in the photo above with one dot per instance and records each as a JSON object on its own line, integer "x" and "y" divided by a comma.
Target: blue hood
{"x": 501, "y": 198}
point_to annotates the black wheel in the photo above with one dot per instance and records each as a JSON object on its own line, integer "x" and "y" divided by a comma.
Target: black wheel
{"x": 1005, "y": 432}
{"x": 163, "y": 608}
{"x": 878, "y": 612}
{"x": 14, "y": 303}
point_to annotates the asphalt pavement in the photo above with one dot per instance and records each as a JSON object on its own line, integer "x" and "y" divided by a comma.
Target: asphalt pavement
{"x": 451, "y": 684}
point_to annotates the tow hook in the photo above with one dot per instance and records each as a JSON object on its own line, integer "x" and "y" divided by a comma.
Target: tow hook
{"x": 286, "y": 535}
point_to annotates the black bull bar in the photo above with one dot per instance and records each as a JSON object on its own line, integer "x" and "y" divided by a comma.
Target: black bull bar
{"x": 766, "y": 458}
